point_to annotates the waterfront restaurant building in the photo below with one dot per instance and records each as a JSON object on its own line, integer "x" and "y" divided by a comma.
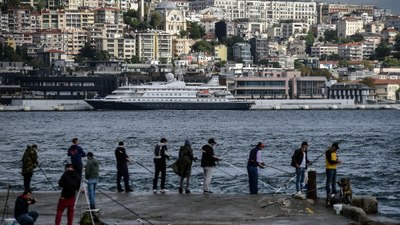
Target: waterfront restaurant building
{"x": 361, "y": 93}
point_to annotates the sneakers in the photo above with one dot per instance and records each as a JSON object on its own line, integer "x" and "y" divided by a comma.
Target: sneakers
{"x": 155, "y": 191}
{"x": 298, "y": 193}
{"x": 187, "y": 191}
{"x": 163, "y": 190}
{"x": 205, "y": 192}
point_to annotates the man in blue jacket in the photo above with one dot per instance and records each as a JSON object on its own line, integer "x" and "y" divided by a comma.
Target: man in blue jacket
{"x": 75, "y": 152}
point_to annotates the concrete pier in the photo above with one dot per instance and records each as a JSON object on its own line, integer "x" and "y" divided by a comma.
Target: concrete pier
{"x": 195, "y": 208}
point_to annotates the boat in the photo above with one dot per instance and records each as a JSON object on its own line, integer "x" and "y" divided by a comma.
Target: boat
{"x": 174, "y": 94}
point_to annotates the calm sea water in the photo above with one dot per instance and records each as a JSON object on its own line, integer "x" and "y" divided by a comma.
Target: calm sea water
{"x": 369, "y": 146}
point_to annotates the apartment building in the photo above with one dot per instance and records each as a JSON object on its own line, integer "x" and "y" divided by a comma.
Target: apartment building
{"x": 242, "y": 51}
{"x": 291, "y": 28}
{"x": 19, "y": 19}
{"x": 375, "y": 27}
{"x": 75, "y": 39}
{"x": 351, "y": 51}
{"x": 49, "y": 39}
{"x": 349, "y": 26}
{"x": 3, "y": 22}
{"x": 259, "y": 48}
{"x": 154, "y": 45}
{"x": 180, "y": 46}
{"x": 108, "y": 15}
{"x": 321, "y": 49}
{"x": 53, "y": 19}
{"x": 393, "y": 21}
{"x": 386, "y": 89}
{"x": 326, "y": 11}
{"x": 221, "y": 52}
{"x": 81, "y": 19}
{"x": 389, "y": 35}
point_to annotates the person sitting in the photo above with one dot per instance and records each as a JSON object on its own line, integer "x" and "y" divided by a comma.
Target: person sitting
{"x": 21, "y": 210}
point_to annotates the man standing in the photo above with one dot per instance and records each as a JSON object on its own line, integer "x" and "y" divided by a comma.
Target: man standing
{"x": 122, "y": 167}
{"x": 76, "y": 153}
{"x": 252, "y": 167}
{"x": 331, "y": 161}
{"x": 21, "y": 210}
{"x": 300, "y": 162}
{"x": 208, "y": 160}
{"x": 29, "y": 163}
{"x": 160, "y": 164}
{"x": 69, "y": 182}
{"x": 91, "y": 175}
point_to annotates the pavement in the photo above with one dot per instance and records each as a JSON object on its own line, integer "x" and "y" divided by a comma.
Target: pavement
{"x": 173, "y": 208}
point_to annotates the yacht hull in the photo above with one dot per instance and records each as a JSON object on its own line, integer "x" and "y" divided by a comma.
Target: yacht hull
{"x": 100, "y": 104}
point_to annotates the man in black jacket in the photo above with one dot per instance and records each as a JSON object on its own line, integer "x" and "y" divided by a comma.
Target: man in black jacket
{"x": 122, "y": 167}
{"x": 21, "y": 210}
{"x": 160, "y": 164}
{"x": 300, "y": 162}
{"x": 70, "y": 183}
{"x": 208, "y": 160}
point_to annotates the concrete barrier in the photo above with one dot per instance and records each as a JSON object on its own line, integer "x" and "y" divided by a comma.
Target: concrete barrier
{"x": 354, "y": 213}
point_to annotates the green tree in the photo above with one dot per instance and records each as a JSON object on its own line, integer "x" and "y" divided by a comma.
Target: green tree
{"x": 357, "y": 37}
{"x": 135, "y": 59}
{"x": 102, "y": 56}
{"x": 331, "y": 36}
{"x": 391, "y": 62}
{"x": 368, "y": 81}
{"x": 183, "y": 33}
{"x": 155, "y": 20}
{"x": 305, "y": 71}
{"x": 203, "y": 46}
{"x": 309, "y": 41}
{"x": 382, "y": 51}
{"x": 298, "y": 64}
{"x": 196, "y": 31}
{"x": 220, "y": 64}
{"x": 343, "y": 63}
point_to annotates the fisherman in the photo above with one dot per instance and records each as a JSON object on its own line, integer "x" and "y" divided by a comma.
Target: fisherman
{"x": 160, "y": 164}
{"x": 69, "y": 182}
{"x": 208, "y": 160}
{"x": 29, "y": 163}
{"x": 76, "y": 153}
{"x": 21, "y": 210}
{"x": 91, "y": 175}
{"x": 252, "y": 167}
{"x": 185, "y": 161}
{"x": 331, "y": 161}
{"x": 122, "y": 167}
{"x": 300, "y": 162}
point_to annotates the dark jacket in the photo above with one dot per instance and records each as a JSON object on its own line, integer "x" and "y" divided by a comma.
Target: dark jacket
{"x": 92, "y": 169}
{"x": 69, "y": 182}
{"x": 29, "y": 160}
{"x": 297, "y": 158}
{"x": 207, "y": 158}
{"x": 253, "y": 157}
{"x": 121, "y": 156}
{"x": 22, "y": 206}
{"x": 76, "y": 153}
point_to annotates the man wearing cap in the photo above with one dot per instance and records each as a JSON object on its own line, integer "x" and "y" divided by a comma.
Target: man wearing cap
{"x": 252, "y": 167}
{"x": 331, "y": 161}
{"x": 300, "y": 162}
{"x": 122, "y": 167}
{"x": 208, "y": 160}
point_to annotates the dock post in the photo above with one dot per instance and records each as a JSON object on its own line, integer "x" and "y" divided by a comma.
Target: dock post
{"x": 312, "y": 184}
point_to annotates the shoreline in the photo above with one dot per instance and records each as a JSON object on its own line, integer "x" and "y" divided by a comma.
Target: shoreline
{"x": 195, "y": 208}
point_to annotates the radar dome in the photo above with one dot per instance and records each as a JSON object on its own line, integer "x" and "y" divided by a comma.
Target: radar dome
{"x": 166, "y": 6}
{"x": 170, "y": 77}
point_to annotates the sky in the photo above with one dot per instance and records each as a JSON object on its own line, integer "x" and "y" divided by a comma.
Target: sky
{"x": 393, "y": 5}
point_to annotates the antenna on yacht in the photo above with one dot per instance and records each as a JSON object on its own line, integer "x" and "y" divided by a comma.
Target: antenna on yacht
{"x": 126, "y": 81}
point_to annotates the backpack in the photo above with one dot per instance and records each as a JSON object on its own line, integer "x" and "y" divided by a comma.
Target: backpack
{"x": 293, "y": 163}
{"x": 87, "y": 219}
{"x": 157, "y": 151}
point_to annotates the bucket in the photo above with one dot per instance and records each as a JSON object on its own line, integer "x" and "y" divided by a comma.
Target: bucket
{"x": 9, "y": 222}
{"x": 337, "y": 208}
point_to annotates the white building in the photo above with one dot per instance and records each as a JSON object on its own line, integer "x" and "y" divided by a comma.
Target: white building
{"x": 321, "y": 49}
{"x": 349, "y": 26}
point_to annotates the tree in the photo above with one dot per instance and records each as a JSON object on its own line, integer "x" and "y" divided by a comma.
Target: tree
{"x": 298, "y": 65}
{"x": 196, "y": 31}
{"x": 309, "y": 41}
{"x": 357, "y": 37}
{"x": 155, "y": 20}
{"x": 203, "y": 46}
{"x": 183, "y": 33}
{"x": 368, "y": 81}
{"x": 135, "y": 59}
{"x": 381, "y": 52}
{"x": 343, "y": 63}
{"x": 102, "y": 56}
{"x": 331, "y": 36}
{"x": 391, "y": 62}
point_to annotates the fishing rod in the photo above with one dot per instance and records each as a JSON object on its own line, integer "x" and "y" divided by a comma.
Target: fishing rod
{"x": 131, "y": 211}
{"x": 317, "y": 158}
{"x": 5, "y": 204}
{"x": 140, "y": 164}
{"x": 40, "y": 168}
{"x": 285, "y": 185}
{"x": 276, "y": 168}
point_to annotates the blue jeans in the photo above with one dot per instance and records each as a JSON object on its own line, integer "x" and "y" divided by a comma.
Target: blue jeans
{"x": 91, "y": 186}
{"x": 330, "y": 181}
{"x": 299, "y": 178}
{"x": 253, "y": 179}
{"x": 28, "y": 218}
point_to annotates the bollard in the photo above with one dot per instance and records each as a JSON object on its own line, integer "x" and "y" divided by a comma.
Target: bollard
{"x": 312, "y": 184}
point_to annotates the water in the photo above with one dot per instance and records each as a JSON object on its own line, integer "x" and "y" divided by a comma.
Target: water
{"x": 369, "y": 146}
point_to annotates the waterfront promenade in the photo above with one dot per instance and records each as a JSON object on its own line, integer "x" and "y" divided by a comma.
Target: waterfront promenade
{"x": 196, "y": 208}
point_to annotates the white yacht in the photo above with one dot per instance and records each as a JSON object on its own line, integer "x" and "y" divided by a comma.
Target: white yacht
{"x": 172, "y": 94}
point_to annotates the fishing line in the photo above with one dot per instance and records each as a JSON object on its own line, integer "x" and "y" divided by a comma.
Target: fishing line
{"x": 276, "y": 168}
{"x": 40, "y": 168}
{"x": 131, "y": 211}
